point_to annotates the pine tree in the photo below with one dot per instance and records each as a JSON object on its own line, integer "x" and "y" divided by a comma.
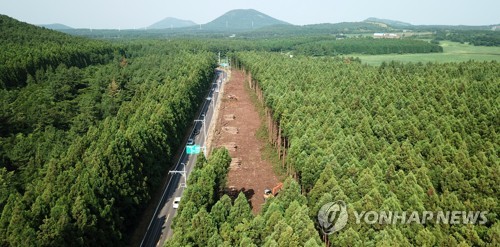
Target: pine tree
{"x": 290, "y": 192}
{"x": 348, "y": 237}
{"x": 256, "y": 230}
{"x": 303, "y": 227}
{"x": 200, "y": 161}
{"x": 185, "y": 214}
{"x": 245, "y": 241}
{"x": 240, "y": 211}
{"x": 215, "y": 240}
{"x": 314, "y": 209}
{"x": 220, "y": 211}
{"x": 325, "y": 182}
{"x": 366, "y": 182}
{"x": 425, "y": 238}
{"x": 493, "y": 234}
{"x": 202, "y": 228}
{"x": 272, "y": 216}
{"x": 226, "y": 232}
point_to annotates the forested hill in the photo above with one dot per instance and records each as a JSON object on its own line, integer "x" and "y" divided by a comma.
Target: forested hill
{"x": 392, "y": 23}
{"x": 171, "y": 22}
{"x": 56, "y": 26}
{"x": 242, "y": 19}
{"x": 26, "y": 48}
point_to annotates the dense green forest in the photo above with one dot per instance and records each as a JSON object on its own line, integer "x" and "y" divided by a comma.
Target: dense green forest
{"x": 395, "y": 137}
{"x": 307, "y": 45}
{"x": 202, "y": 220}
{"x": 329, "y": 47}
{"x": 27, "y": 48}
{"x": 83, "y": 146}
{"x": 266, "y": 32}
{"x": 474, "y": 37}
{"x": 89, "y": 127}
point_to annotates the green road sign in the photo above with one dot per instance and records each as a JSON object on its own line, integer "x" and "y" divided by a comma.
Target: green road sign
{"x": 193, "y": 149}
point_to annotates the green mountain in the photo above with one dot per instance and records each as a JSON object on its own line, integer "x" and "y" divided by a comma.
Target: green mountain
{"x": 171, "y": 22}
{"x": 26, "y": 48}
{"x": 392, "y": 23}
{"x": 242, "y": 20}
{"x": 56, "y": 26}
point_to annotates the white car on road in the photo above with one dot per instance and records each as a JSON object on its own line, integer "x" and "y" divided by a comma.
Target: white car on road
{"x": 177, "y": 200}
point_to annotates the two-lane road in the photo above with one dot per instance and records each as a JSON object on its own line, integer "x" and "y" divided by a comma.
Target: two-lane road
{"x": 159, "y": 227}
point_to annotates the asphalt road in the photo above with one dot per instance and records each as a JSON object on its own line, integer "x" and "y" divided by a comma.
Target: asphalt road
{"x": 159, "y": 227}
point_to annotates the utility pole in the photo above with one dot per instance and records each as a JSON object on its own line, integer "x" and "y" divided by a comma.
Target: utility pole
{"x": 219, "y": 57}
{"x": 183, "y": 174}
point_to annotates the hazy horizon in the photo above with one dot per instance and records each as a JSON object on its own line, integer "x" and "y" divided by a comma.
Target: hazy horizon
{"x": 127, "y": 14}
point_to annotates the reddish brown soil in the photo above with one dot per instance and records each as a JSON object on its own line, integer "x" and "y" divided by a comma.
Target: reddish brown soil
{"x": 253, "y": 174}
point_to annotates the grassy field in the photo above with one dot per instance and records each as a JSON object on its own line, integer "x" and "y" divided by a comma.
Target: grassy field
{"x": 453, "y": 52}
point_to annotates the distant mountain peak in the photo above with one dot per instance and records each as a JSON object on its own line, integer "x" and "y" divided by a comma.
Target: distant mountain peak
{"x": 243, "y": 19}
{"x": 171, "y": 22}
{"x": 246, "y": 11}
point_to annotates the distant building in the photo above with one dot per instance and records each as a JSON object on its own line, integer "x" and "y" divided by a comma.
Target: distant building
{"x": 495, "y": 28}
{"x": 385, "y": 36}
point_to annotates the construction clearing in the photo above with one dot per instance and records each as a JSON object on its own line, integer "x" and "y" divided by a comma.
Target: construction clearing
{"x": 236, "y": 129}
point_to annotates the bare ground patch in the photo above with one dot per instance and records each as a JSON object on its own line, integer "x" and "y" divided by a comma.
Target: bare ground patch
{"x": 236, "y": 129}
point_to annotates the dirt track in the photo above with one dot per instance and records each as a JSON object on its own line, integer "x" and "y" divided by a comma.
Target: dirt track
{"x": 237, "y": 125}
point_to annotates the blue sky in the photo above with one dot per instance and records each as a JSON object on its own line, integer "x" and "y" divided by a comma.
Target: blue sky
{"x": 135, "y": 14}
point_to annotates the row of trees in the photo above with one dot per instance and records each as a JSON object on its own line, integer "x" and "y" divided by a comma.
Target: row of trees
{"x": 366, "y": 46}
{"x": 82, "y": 149}
{"x": 475, "y": 37}
{"x": 302, "y": 45}
{"x": 397, "y": 137}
